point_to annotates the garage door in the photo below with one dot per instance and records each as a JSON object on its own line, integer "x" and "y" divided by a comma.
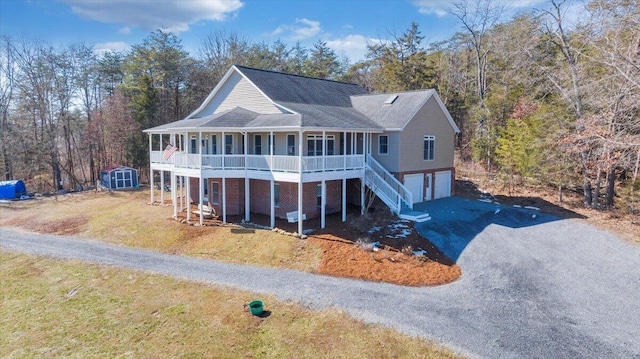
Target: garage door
{"x": 442, "y": 184}
{"x": 415, "y": 185}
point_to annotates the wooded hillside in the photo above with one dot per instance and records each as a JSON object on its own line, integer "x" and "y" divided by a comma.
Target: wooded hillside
{"x": 540, "y": 98}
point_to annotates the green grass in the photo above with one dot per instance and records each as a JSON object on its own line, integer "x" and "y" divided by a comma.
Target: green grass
{"x": 125, "y": 218}
{"x": 70, "y": 309}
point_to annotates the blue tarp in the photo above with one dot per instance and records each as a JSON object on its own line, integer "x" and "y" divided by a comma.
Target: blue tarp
{"x": 12, "y": 189}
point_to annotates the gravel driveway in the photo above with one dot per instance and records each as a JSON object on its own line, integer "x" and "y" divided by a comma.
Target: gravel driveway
{"x": 555, "y": 289}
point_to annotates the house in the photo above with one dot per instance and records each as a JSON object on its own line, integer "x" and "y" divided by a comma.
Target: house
{"x": 119, "y": 177}
{"x": 281, "y": 144}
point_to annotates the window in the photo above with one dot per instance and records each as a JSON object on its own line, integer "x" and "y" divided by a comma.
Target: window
{"x": 228, "y": 144}
{"x": 291, "y": 145}
{"x": 276, "y": 194}
{"x": 215, "y": 193}
{"x": 429, "y": 148}
{"x": 383, "y": 145}
{"x": 315, "y": 143}
{"x": 257, "y": 144}
{"x": 205, "y": 144}
{"x": 214, "y": 144}
{"x": 319, "y": 195}
{"x": 194, "y": 145}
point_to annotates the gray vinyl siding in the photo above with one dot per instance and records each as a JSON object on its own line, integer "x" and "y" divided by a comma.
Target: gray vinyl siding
{"x": 390, "y": 160}
{"x": 430, "y": 120}
{"x": 237, "y": 91}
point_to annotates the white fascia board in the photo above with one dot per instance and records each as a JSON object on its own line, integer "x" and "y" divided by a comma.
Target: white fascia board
{"x": 214, "y": 91}
{"x": 442, "y": 107}
{"x": 262, "y": 93}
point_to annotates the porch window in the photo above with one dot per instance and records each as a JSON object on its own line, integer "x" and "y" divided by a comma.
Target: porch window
{"x": 291, "y": 145}
{"x": 319, "y": 195}
{"x": 429, "y": 148}
{"x": 193, "y": 148}
{"x": 257, "y": 144}
{"x": 205, "y": 145}
{"x": 383, "y": 145}
{"x": 276, "y": 194}
{"x": 215, "y": 193}
{"x": 228, "y": 144}
{"x": 214, "y": 144}
{"x": 315, "y": 142}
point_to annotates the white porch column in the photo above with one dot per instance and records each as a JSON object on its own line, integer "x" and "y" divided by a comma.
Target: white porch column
{"x": 224, "y": 200}
{"x": 362, "y": 196}
{"x": 162, "y": 186}
{"x": 188, "y": 186}
{"x": 273, "y": 204}
{"x": 224, "y": 149}
{"x": 151, "y": 167}
{"x": 300, "y": 187}
{"x": 179, "y": 184}
{"x": 174, "y": 199}
{"x": 324, "y": 151}
{"x": 344, "y": 149}
{"x": 344, "y": 200}
{"x": 247, "y": 199}
{"x": 201, "y": 196}
{"x": 323, "y": 203}
{"x": 247, "y": 192}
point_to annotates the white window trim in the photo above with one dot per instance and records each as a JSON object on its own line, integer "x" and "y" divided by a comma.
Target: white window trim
{"x": 380, "y": 145}
{"x": 433, "y": 154}
{"x": 276, "y": 199}
{"x": 224, "y": 149}
{"x": 255, "y": 144}
{"x": 294, "y": 144}
{"x": 217, "y": 199}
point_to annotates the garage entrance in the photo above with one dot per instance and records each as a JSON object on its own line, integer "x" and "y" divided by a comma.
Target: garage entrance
{"x": 415, "y": 185}
{"x": 442, "y": 184}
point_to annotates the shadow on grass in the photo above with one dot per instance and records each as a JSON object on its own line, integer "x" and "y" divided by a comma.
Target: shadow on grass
{"x": 456, "y": 221}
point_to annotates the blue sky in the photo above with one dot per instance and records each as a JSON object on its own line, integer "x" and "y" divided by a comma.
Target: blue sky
{"x": 346, "y": 25}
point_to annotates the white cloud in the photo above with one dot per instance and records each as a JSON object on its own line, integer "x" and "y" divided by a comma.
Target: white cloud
{"x": 117, "y": 46}
{"x": 169, "y": 15}
{"x": 352, "y": 46}
{"x": 309, "y": 29}
{"x": 439, "y": 7}
{"x": 300, "y": 30}
{"x": 125, "y": 30}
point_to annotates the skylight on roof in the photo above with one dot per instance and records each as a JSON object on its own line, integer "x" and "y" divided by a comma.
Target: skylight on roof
{"x": 390, "y": 99}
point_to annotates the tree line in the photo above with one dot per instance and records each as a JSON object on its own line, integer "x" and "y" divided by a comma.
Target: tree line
{"x": 538, "y": 97}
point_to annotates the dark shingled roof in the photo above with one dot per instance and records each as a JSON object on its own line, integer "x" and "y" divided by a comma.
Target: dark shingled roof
{"x": 282, "y": 87}
{"x": 317, "y": 103}
{"x": 236, "y": 117}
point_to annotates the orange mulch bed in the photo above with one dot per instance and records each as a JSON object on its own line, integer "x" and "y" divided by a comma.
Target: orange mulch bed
{"x": 343, "y": 258}
{"x": 394, "y": 262}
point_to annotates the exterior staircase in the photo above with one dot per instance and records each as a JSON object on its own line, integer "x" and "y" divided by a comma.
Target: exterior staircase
{"x": 390, "y": 191}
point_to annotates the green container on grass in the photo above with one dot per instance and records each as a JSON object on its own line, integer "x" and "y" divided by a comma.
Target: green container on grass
{"x": 256, "y": 307}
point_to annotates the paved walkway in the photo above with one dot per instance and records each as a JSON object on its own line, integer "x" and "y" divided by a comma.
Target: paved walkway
{"x": 559, "y": 289}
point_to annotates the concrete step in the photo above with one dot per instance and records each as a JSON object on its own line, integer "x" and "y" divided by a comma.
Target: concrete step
{"x": 415, "y": 216}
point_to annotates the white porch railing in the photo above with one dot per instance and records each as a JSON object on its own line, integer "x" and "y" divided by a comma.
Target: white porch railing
{"x": 384, "y": 184}
{"x": 158, "y": 157}
{"x": 262, "y": 162}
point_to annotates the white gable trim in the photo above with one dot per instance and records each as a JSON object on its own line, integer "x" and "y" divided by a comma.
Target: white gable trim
{"x": 223, "y": 81}
{"x": 446, "y": 113}
{"x": 434, "y": 94}
{"x": 262, "y": 93}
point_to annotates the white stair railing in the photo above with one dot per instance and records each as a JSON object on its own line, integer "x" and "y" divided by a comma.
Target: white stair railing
{"x": 384, "y": 184}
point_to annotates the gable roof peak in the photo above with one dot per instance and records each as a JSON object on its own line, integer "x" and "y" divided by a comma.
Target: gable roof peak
{"x": 240, "y": 68}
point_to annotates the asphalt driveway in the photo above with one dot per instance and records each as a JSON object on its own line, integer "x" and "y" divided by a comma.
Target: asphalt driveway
{"x": 547, "y": 289}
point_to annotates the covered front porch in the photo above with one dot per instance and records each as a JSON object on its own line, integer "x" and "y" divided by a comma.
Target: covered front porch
{"x": 225, "y": 175}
